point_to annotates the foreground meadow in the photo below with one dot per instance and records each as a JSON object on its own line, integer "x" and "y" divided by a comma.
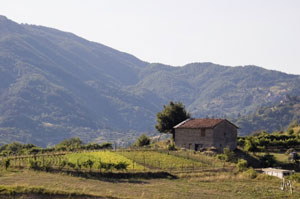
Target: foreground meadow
{"x": 209, "y": 185}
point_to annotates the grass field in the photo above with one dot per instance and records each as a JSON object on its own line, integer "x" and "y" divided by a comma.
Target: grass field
{"x": 170, "y": 160}
{"x": 208, "y": 185}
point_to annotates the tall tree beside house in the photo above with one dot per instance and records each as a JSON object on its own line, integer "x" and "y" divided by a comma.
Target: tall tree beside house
{"x": 171, "y": 115}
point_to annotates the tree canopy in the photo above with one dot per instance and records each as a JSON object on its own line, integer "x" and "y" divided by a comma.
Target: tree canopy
{"x": 171, "y": 115}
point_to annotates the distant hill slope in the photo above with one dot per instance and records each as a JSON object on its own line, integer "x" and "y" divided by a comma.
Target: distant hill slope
{"x": 55, "y": 85}
{"x": 271, "y": 118}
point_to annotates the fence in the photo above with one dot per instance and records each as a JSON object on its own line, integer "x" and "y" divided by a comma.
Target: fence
{"x": 150, "y": 159}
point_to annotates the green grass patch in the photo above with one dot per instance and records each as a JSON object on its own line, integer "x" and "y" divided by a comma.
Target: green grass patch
{"x": 104, "y": 157}
{"x": 160, "y": 160}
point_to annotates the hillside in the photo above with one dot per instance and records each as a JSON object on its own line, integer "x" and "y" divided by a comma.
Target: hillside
{"x": 55, "y": 85}
{"x": 271, "y": 118}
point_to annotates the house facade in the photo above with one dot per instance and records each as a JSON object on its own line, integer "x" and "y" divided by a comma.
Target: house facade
{"x": 197, "y": 134}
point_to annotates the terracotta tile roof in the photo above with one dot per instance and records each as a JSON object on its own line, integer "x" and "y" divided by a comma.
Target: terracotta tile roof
{"x": 200, "y": 123}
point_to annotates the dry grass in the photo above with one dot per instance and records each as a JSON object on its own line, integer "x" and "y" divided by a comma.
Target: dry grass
{"x": 193, "y": 185}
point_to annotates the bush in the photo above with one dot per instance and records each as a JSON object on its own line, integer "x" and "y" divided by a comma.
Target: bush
{"x": 143, "y": 140}
{"x": 71, "y": 165}
{"x": 250, "y": 145}
{"x": 34, "y": 164}
{"x": 47, "y": 166}
{"x": 88, "y": 163}
{"x": 221, "y": 157}
{"x": 70, "y": 144}
{"x": 267, "y": 160}
{"x": 250, "y": 173}
{"x": 171, "y": 147}
{"x": 106, "y": 166}
{"x": 6, "y": 163}
{"x": 228, "y": 155}
{"x": 62, "y": 164}
{"x": 106, "y": 145}
{"x": 121, "y": 166}
{"x": 295, "y": 177}
{"x": 242, "y": 165}
{"x": 290, "y": 131}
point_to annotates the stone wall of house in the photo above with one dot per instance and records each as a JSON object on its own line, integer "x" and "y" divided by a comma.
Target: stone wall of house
{"x": 225, "y": 134}
{"x": 191, "y": 138}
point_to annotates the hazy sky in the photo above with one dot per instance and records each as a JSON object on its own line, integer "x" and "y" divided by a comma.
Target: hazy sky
{"x": 176, "y": 32}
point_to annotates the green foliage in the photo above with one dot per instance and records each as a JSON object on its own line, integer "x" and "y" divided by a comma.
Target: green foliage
{"x": 143, "y": 140}
{"x": 62, "y": 164}
{"x": 267, "y": 160}
{"x": 229, "y": 155}
{"x": 107, "y": 166}
{"x": 121, "y": 166}
{"x": 172, "y": 147}
{"x": 88, "y": 163}
{"x": 16, "y": 148}
{"x": 241, "y": 165}
{"x": 95, "y": 146}
{"x": 278, "y": 117}
{"x": 250, "y": 173}
{"x": 295, "y": 177}
{"x": 34, "y": 164}
{"x": 250, "y": 145}
{"x": 162, "y": 160}
{"x": 264, "y": 141}
{"x": 6, "y": 163}
{"x": 71, "y": 165}
{"x": 101, "y": 157}
{"x": 171, "y": 115}
{"x": 70, "y": 144}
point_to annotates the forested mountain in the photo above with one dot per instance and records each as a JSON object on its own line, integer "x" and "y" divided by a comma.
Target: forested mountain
{"x": 55, "y": 85}
{"x": 271, "y": 118}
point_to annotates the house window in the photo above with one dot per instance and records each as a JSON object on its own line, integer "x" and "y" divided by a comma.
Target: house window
{"x": 202, "y": 132}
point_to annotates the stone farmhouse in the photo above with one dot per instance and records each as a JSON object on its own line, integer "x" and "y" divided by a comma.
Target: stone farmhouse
{"x": 197, "y": 134}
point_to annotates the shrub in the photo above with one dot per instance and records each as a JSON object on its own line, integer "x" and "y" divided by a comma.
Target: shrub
{"x": 71, "y": 165}
{"x": 106, "y": 166}
{"x": 228, "y": 154}
{"x": 242, "y": 165}
{"x": 295, "y": 177}
{"x": 121, "y": 166}
{"x": 34, "y": 164}
{"x": 78, "y": 165}
{"x": 221, "y": 157}
{"x": 250, "y": 145}
{"x": 106, "y": 145}
{"x": 62, "y": 164}
{"x": 88, "y": 164}
{"x": 171, "y": 147}
{"x": 143, "y": 140}
{"x": 6, "y": 163}
{"x": 250, "y": 173}
{"x": 267, "y": 160}
{"x": 47, "y": 166}
{"x": 291, "y": 131}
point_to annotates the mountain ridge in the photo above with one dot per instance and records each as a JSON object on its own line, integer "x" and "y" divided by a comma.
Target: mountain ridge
{"x": 56, "y": 85}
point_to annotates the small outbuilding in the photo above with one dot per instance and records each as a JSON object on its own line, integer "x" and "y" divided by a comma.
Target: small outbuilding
{"x": 197, "y": 134}
{"x": 280, "y": 173}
